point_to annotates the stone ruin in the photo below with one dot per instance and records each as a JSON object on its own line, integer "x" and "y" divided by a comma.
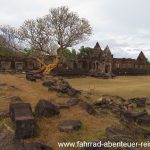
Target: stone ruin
{"x": 17, "y": 64}
{"x": 46, "y": 108}
{"x": 101, "y": 63}
{"x": 21, "y": 115}
{"x": 61, "y": 86}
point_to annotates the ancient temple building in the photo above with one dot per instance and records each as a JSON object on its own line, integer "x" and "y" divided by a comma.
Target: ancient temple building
{"x": 100, "y": 62}
{"x": 97, "y": 63}
{"x": 17, "y": 64}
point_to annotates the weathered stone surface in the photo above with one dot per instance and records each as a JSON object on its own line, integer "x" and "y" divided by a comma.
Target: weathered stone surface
{"x": 142, "y": 132}
{"x": 61, "y": 86}
{"x": 127, "y": 123}
{"x": 36, "y": 146}
{"x": 140, "y": 102}
{"x": 38, "y": 76}
{"x": 144, "y": 120}
{"x": 30, "y": 77}
{"x": 15, "y": 99}
{"x": 46, "y": 108}
{"x": 49, "y": 83}
{"x": 104, "y": 103}
{"x": 68, "y": 104}
{"x": 89, "y": 108}
{"x": 21, "y": 115}
{"x": 63, "y": 106}
{"x": 133, "y": 116}
{"x": 72, "y": 91}
{"x": 53, "y": 88}
{"x": 113, "y": 131}
{"x": 73, "y": 101}
{"x": 69, "y": 125}
{"x": 7, "y": 141}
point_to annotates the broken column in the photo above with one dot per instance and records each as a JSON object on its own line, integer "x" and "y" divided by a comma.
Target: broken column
{"x": 21, "y": 115}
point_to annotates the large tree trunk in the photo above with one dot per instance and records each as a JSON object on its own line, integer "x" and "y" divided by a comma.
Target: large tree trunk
{"x": 52, "y": 66}
{"x": 46, "y": 69}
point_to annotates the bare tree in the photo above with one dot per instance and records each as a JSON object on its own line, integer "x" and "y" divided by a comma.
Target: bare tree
{"x": 35, "y": 34}
{"x": 10, "y": 38}
{"x": 67, "y": 27}
{"x": 59, "y": 29}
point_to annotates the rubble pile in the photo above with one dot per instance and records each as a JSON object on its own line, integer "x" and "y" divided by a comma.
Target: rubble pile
{"x": 60, "y": 85}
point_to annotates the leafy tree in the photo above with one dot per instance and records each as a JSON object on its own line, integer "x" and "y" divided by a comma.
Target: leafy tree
{"x": 85, "y": 51}
{"x": 69, "y": 54}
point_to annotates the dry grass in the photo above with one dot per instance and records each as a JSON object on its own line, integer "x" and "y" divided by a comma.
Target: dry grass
{"x": 93, "y": 127}
{"x": 129, "y": 86}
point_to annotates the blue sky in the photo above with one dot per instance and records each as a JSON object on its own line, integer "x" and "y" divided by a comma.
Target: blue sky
{"x": 124, "y": 25}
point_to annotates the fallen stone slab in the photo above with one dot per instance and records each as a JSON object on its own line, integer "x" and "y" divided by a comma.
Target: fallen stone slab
{"x": 133, "y": 116}
{"x": 69, "y": 125}
{"x": 49, "y": 83}
{"x": 113, "y": 131}
{"x": 30, "y": 77}
{"x": 63, "y": 106}
{"x": 36, "y": 146}
{"x": 103, "y": 101}
{"x": 142, "y": 132}
{"x": 68, "y": 104}
{"x": 37, "y": 75}
{"x": 140, "y": 102}
{"x": 73, "y": 102}
{"x": 46, "y": 109}
{"x": 21, "y": 115}
{"x": 53, "y": 88}
{"x": 87, "y": 107}
{"x": 72, "y": 92}
{"x": 60, "y": 85}
{"x": 127, "y": 122}
{"x": 144, "y": 120}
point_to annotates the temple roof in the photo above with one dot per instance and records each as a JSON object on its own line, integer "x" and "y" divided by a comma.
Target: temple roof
{"x": 97, "y": 46}
{"x": 107, "y": 50}
{"x": 141, "y": 56}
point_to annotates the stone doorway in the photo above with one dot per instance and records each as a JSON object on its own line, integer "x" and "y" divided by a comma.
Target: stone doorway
{"x": 107, "y": 69}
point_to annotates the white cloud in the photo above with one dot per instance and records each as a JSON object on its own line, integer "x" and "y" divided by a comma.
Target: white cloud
{"x": 121, "y": 24}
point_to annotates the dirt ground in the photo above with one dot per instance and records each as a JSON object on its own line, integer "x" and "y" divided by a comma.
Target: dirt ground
{"x": 93, "y": 127}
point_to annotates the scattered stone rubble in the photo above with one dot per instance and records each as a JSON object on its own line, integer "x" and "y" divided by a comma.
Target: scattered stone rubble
{"x": 69, "y": 125}
{"x": 25, "y": 127}
{"x": 46, "y": 109}
{"x": 60, "y": 85}
{"x": 30, "y": 77}
{"x": 87, "y": 107}
{"x": 68, "y": 104}
{"x": 140, "y": 102}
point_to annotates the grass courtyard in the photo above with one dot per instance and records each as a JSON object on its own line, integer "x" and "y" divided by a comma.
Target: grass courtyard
{"x": 125, "y": 86}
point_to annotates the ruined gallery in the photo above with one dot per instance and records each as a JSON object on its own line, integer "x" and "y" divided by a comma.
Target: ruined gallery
{"x": 97, "y": 63}
{"x": 102, "y": 61}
